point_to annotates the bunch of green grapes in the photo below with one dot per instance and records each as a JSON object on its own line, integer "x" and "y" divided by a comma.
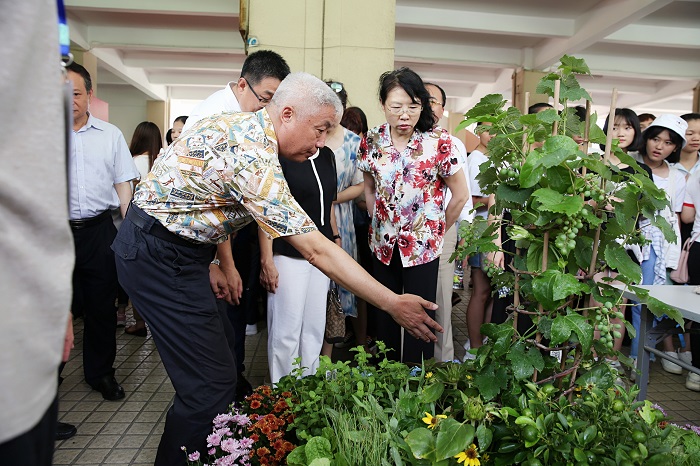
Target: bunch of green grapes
{"x": 608, "y": 330}
{"x": 569, "y": 228}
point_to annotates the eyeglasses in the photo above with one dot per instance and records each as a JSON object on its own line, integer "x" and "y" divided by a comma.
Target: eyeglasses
{"x": 412, "y": 109}
{"x": 434, "y": 101}
{"x": 336, "y": 86}
{"x": 262, "y": 100}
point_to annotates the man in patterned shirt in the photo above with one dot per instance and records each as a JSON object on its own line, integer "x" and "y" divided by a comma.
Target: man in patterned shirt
{"x": 220, "y": 175}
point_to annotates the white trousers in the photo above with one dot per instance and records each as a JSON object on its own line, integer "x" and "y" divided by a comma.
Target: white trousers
{"x": 444, "y": 347}
{"x": 296, "y": 317}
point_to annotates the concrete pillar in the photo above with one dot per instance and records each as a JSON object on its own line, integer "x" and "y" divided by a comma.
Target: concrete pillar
{"x": 696, "y": 99}
{"x": 526, "y": 81}
{"x": 158, "y": 112}
{"x": 332, "y": 39}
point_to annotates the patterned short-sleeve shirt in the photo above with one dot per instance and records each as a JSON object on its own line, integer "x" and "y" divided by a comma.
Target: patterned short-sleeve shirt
{"x": 219, "y": 176}
{"x": 409, "y": 207}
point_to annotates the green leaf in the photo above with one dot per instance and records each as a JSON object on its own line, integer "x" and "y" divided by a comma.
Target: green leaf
{"x": 488, "y": 105}
{"x": 617, "y": 259}
{"x": 532, "y": 171}
{"x": 491, "y": 380}
{"x": 422, "y": 443}
{"x": 570, "y": 89}
{"x": 484, "y": 436}
{"x": 432, "y": 392}
{"x": 524, "y": 360}
{"x": 548, "y": 116}
{"x": 566, "y": 285}
{"x": 500, "y": 335}
{"x": 559, "y": 178}
{"x": 589, "y": 434}
{"x": 510, "y": 194}
{"x": 571, "y": 64}
{"x": 583, "y": 253}
{"x": 558, "y": 149}
{"x": 600, "y": 375}
{"x": 543, "y": 290}
{"x": 452, "y": 438}
{"x": 564, "y": 325}
{"x": 580, "y": 455}
{"x": 660, "y": 309}
{"x": 553, "y": 201}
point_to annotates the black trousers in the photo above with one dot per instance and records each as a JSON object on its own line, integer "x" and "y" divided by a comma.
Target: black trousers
{"x": 694, "y": 280}
{"x": 34, "y": 447}
{"x": 94, "y": 292}
{"x": 169, "y": 285}
{"x": 420, "y": 280}
{"x": 246, "y": 255}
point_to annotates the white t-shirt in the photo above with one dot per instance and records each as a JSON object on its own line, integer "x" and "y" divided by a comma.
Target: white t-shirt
{"x": 37, "y": 250}
{"x": 220, "y": 101}
{"x": 692, "y": 199}
{"x": 673, "y": 185}
{"x": 141, "y": 162}
{"x": 466, "y": 213}
{"x": 475, "y": 159}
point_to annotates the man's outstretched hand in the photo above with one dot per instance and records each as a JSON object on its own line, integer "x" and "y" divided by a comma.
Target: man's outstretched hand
{"x": 409, "y": 312}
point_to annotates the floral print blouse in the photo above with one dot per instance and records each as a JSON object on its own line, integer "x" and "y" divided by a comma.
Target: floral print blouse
{"x": 409, "y": 207}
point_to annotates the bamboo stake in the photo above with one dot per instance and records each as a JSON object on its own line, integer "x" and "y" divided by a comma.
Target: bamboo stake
{"x": 586, "y": 134}
{"x": 606, "y": 160}
{"x": 545, "y": 248}
{"x": 557, "y": 87}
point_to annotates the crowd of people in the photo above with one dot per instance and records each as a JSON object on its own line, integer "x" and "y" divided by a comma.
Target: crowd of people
{"x": 274, "y": 184}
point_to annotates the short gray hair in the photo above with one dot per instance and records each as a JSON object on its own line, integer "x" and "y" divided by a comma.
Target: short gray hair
{"x": 306, "y": 93}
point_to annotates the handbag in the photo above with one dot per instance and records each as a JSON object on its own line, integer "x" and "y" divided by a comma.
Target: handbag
{"x": 335, "y": 317}
{"x": 680, "y": 274}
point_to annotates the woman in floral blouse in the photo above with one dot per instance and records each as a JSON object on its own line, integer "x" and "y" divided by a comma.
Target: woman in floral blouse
{"x": 407, "y": 167}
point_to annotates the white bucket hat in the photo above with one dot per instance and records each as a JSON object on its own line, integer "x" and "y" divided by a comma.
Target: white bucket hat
{"x": 671, "y": 122}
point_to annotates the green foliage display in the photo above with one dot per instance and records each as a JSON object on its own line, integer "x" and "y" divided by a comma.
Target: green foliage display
{"x": 572, "y": 215}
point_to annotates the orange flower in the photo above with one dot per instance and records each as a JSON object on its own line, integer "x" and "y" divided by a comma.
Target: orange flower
{"x": 255, "y": 404}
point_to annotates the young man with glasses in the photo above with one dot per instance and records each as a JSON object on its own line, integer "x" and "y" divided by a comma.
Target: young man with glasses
{"x": 262, "y": 72}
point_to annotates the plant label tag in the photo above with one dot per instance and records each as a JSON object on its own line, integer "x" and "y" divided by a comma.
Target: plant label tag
{"x": 556, "y": 354}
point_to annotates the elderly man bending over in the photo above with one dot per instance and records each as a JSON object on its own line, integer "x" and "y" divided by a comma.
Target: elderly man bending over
{"x": 220, "y": 175}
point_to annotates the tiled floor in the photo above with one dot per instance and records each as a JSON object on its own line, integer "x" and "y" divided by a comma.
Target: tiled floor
{"x": 127, "y": 432}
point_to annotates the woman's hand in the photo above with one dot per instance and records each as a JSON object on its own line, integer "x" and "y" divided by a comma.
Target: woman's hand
{"x": 496, "y": 259}
{"x": 269, "y": 276}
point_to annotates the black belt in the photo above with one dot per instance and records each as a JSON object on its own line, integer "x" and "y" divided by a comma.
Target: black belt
{"x": 152, "y": 226}
{"x": 90, "y": 222}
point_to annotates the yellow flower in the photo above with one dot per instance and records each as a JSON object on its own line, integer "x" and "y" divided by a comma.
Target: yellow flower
{"x": 469, "y": 377}
{"x": 433, "y": 421}
{"x": 428, "y": 375}
{"x": 470, "y": 457}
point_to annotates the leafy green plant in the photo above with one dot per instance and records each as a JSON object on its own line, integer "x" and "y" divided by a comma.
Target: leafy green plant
{"x": 571, "y": 216}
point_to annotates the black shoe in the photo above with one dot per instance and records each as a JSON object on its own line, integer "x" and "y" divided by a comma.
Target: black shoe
{"x": 109, "y": 388}
{"x": 243, "y": 388}
{"x": 65, "y": 431}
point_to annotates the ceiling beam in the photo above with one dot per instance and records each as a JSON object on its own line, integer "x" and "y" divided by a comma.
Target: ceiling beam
{"x": 407, "y": 50}
{"x": 220, "y": 41}
{"x": 660, "y": 36}
{"x": 137, "y": 77}
{"x": 182, "y": 61}
{"x": 648, "y": 66}
{"x": 173, "y": 7}
{"x": 666, "y": 90}
{"x": 477, "y": 21}
{"x": 503, "y": 83}
{"x": 606, "y": 18}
